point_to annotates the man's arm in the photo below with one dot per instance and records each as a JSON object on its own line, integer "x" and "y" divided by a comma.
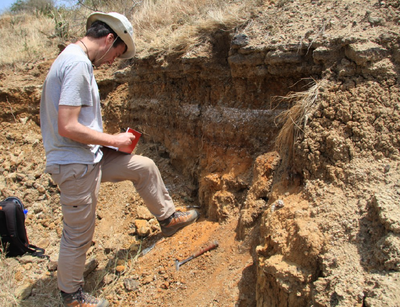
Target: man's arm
{"x": 69, "y": 127}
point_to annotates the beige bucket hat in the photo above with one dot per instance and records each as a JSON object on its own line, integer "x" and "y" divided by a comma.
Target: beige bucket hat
{"x": 121, "y": 25}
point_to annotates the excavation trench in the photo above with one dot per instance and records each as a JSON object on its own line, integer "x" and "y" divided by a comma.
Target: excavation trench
{"x": 212, "y": 117}
{"x": 215, "y": 121}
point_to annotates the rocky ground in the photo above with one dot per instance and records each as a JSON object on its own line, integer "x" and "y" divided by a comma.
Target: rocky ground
{"x": 314, "y": 221}
{"x": 117, "y": 267}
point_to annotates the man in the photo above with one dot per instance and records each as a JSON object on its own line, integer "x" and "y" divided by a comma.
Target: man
{"x": 73, "y": 138}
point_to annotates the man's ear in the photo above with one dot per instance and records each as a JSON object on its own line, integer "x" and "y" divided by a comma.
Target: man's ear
{"x": 110, "y": 38}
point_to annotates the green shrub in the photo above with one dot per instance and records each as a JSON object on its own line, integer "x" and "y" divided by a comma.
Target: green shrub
{"x": 35, "y": 6}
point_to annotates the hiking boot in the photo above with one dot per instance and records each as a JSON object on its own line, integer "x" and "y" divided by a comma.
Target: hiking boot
{"x": 177, "y": 221}
{"x": 82, "y": 299}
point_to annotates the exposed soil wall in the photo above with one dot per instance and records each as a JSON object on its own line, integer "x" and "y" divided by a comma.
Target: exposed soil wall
{"x": 214, "y": 115}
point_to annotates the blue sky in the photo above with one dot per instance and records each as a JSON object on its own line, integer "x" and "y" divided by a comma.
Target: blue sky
{"x": 6, "y": 4}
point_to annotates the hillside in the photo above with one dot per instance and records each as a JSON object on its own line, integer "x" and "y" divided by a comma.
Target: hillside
{"x": 283, "y": 130}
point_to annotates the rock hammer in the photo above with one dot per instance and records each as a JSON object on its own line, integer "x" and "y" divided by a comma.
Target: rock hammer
{"x": 202, "y": 251}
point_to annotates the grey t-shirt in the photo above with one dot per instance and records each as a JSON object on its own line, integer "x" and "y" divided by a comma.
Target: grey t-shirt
{"x": 70, "y": 82}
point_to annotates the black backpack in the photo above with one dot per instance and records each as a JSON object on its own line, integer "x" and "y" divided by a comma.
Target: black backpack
{"x": 14, "y": 240}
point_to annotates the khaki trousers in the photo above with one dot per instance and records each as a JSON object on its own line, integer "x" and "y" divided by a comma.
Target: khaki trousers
{"x": 79, "y": 185}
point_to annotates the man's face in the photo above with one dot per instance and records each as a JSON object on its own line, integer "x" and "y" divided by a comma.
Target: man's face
{"x": 114, "y": 52}
{"x": 108, "y": 53}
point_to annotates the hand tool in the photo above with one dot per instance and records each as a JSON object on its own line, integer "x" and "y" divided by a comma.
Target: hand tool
{"x": 202, "y": 251}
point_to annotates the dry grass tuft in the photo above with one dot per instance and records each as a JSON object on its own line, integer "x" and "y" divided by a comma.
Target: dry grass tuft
{"x": 294, "y": 120}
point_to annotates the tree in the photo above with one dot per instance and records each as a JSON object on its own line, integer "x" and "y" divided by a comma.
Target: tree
{"x": 43, "y": 6}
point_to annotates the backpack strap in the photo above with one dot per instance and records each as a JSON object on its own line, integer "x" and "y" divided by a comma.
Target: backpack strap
{"x": 38, "y": 251}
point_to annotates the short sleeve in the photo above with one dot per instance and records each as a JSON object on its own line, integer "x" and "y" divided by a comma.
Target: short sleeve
{"x": 77, "y": 85}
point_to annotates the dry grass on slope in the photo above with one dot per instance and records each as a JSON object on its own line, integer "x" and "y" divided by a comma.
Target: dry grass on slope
{"x": 174, "y": 25}
{"x": 22, "y": 38}
{"x": 160, "y": 26}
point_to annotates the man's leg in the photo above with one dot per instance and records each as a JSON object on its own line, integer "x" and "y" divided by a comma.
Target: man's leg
{"x": 79, "y": 185}
{"x": 146, "y": 177}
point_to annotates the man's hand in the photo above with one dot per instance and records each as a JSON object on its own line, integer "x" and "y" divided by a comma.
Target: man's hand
{"x": 123, "y": 139}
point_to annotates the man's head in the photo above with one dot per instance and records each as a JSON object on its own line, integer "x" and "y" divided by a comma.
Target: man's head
{"x": 113, "y": 25}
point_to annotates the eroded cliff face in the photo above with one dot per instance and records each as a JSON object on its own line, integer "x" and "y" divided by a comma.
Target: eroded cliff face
{"x": 213, "y": 115}
{"x": 308, "y": 213}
